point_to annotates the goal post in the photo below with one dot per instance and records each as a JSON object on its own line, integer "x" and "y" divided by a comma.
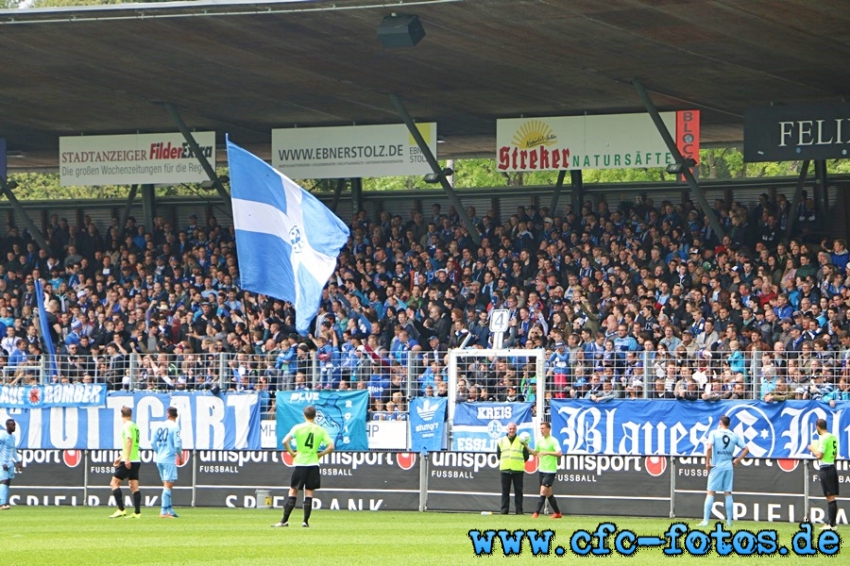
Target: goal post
{"x": 525, "y": 368}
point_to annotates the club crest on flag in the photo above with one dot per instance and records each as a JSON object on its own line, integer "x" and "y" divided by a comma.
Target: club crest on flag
{"x": 287, "y": 242}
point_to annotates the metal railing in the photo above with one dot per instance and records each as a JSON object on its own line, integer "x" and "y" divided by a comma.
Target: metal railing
{"x": 394, "y": 378}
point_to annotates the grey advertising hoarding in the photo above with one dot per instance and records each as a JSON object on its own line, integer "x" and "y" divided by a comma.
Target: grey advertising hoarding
{"x": 49, "y": 478}
{"x": 99, "y": 473}
{"x": 817, "y": 501}
{"x": 585, "y": 484}
{"x": 790, "y": 133}
{"x": 350, "y": 480}
{"x": 763, "y": 490}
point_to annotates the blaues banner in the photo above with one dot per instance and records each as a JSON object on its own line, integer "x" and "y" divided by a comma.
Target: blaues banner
{"x": 207, "y": 422}
{"x": 44, "y": 327}
{"x": 341, "y": 413}
{"x": 427, "y": 423}
{"x": 662, "y": 428}
{"x": 477, "y": 427}
{"x": 49, "y": 396}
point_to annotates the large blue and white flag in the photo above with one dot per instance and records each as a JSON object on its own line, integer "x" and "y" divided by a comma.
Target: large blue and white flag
{"x": 286, "y": 240}
{"x": 44, "y": 326}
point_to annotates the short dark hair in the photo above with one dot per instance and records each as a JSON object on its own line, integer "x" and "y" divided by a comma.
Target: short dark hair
{"x": 724, "y": 420}
{"x": 547, "y": 425}
{"x": 821, "y": 424}
{"x": 126, "y": 412}
{"x": 310, "y": 412}
{"x": 172, "y": 412}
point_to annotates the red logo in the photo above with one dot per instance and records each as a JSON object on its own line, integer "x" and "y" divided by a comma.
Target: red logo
{"x": 655, "y": 465}
{"x": 35, "y": 396}
{"x": 406, "y": 460}
{"x": 72, "y": 458}
{"x": 287, "y": 458}
{"x": 531, "y": 465}
{"x": 787, "y": 465}
{"x": 185, "y": 458}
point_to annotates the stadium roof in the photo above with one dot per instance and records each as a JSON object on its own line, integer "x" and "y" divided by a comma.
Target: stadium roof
{"x": 246, "y": 67}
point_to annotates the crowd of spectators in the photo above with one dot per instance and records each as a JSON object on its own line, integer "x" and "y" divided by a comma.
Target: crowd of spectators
{"x": 629, "y": 301}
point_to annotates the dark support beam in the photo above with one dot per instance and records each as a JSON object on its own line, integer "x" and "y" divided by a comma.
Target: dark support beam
{"x": 148, "y": 206}
{"x": 795, "y": 201}
{"x": 129, "y": 206}
{"x": 28, "y": 223}
{"x": 435, "y": 167}
{"x": 559, "y": 184}
{"x": 674, "y": 151}
{"x": 822, "y": 204}
{"x": 356, "y": 196}
{"x": 196, "y": 150}
{"x": 577, "y": 192}
{"x": 340, "y": 185}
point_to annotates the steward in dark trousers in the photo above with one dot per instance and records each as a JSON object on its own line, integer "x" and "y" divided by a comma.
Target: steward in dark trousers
{"x": 512, "y": 457}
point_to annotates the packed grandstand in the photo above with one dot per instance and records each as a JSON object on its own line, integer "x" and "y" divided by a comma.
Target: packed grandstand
{"x": 629, "y": 300}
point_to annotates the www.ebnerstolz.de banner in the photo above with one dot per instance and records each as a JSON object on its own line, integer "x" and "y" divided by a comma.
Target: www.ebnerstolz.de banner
{"x": 678, "y": 540}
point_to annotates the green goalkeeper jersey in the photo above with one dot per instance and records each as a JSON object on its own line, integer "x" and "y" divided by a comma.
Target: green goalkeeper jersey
{"x": 309, "y": 438}
{"x": 548, "y": 464}
{"x": 829, "y": 448}
{"x": 131, "y": 431}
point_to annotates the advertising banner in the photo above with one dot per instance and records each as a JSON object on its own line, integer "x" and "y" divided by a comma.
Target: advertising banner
{"x": 763, "y": 490}
{"x": 791, "y": 133}
{"x": 206, "y": 422}
{"x": 49, "y": 396}
{"x": 351, "y": 151}
{"x": 382, "y": 435}
{"x": 133, "y": 159}
{"x": 356, "y": 481}
{"x": 584, "y": 484}
{"x": 614, "y": 141}
{"x": 477, "y": 427}
{"x": 651, "y": 428}
{"x": 427, "y": 423}
{"x": 341, "y": 413}
{"x": 817, "y": 501}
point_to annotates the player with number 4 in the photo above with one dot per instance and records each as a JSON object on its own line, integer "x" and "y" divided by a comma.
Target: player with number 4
{"x": 310, "y": 439}
{"x": 719, "y": 462}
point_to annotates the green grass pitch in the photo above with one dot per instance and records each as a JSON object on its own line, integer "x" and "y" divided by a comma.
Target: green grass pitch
{"x": 42, "y": 536}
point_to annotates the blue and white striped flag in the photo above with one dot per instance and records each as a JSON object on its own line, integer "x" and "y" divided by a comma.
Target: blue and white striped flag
{"x": 287, "y": 241}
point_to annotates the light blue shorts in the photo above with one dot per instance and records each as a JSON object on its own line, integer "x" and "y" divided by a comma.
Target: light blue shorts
{"x": 7, "y": 474}
{"x": 720, "y": 480}
{"x": 167, "y": 472}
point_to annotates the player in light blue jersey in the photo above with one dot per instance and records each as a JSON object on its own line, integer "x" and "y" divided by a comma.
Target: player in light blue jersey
{"x": 168, "y": 454}
{"x": 9, "y": 462}
{"x": 719, "y": 461}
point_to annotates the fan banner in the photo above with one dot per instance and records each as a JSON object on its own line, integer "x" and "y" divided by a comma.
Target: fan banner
{"x": 341, "y": 413}
{"x": 680, "y": 428}
{"x": 477, "y": 427}
{"x": 207, "y": 422}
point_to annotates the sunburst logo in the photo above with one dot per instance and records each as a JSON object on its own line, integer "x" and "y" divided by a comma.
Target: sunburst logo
{"x": 534, "y": 133}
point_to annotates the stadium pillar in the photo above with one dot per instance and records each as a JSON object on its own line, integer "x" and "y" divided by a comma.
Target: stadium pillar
{"x": 356, "y": 196}
{"x": 129, "y": 206}
{"x": 559, "y": 184}
{"x": 193, "y": 145}
{"x": 822, "y": 199}
{"x": 795, "y": 200}
{"x": 340, "y": 185}
{"x": 148, "y": 204}
{"x": 28, "y": 223}
{"x": 435, "y": 167}
{"x": 577, "y": 192}
{"x": 674, "y": 151}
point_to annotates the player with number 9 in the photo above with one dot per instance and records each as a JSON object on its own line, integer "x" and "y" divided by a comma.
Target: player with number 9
{"x": 312, "y": 442}
{"x": 720, "y": 461}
